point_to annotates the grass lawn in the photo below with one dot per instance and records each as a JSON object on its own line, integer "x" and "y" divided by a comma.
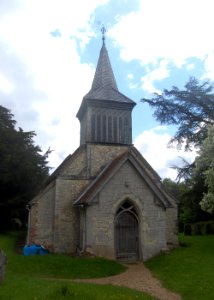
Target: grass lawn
{"x": 39, "y": 277}
{"x": 188, "y": 270}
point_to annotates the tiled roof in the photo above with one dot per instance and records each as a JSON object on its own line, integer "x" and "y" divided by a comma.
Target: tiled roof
{"x": 104, "y": 76}
{"x": 104, "y": 86}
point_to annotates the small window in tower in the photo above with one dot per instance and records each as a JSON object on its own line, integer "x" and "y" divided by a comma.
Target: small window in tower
{"x": 98, "y": 128}
{"x": 93, "y": 128}
{"x": 126, "y": 130}
{"x": 104, "y": 129}
{"x": 115, "y": 138}
{"x": 110, "y": 129}
{"x": 120, "y": 130}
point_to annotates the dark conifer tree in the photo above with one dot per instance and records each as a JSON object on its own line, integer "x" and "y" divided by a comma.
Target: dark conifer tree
{"x": 190, "y": 109}
{"x": 23, "y": 168}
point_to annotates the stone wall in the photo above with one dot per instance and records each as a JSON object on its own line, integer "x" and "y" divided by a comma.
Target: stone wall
{"x": 99, "y": 155}
{"x": 66, "y": 221}
{"x": 42, "y": 217}
{"x": 125, "y": 184}
{"x": 53, "y": 221}
{"x": 57, "y": 223}
{"x": 172, "y": 226}
{"x": 76, "y": 164}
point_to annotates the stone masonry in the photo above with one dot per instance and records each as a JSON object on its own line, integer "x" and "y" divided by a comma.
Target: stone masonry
{"x": 104, "y": 199}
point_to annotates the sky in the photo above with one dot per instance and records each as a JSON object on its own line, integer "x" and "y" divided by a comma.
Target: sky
{"x": 49, "y": 51}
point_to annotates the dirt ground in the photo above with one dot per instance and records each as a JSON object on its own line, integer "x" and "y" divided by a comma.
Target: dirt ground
{"x": 137, "y": 277}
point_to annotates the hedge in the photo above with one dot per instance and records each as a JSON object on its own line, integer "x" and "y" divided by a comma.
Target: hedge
{"x": 199, "y": 228}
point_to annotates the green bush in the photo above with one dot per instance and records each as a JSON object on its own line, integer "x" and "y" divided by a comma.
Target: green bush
{"x": 199, "y": 228}
{"x": 187, "y": 229}
{"x": 210, "y": 228}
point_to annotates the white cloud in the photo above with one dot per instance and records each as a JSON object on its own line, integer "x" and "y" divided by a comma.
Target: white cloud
{"x": 209, "y": 66}
{"x": 168, "y": 30}
{"x": 130, "y": 76}
{"x": 42, "y": 77}
{"x": 6, "y": 86}
{"x": 131, "y": 84}
{"x": 190, "y": 67}
{"x": 157, "y": 74}
{"x": 153, "y": 145}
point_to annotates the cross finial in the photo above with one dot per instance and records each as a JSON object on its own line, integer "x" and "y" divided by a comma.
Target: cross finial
{"x": 103, "y": 30}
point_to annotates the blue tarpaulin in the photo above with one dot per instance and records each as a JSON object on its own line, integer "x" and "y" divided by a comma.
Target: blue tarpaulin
{"x": 34, "y": 250}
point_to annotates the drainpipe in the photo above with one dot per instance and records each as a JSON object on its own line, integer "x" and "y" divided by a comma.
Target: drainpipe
{"x": 84, "y": 230}
{"x": 82, "y": 208}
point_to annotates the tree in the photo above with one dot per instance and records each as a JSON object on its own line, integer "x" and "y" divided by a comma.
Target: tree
{"x": 22, "y": 169}
{"x": 176, "y": 189}
{"x": 205, "y": 169}
{"x": 191, "y": 109}
{"x": 188, "y": 194}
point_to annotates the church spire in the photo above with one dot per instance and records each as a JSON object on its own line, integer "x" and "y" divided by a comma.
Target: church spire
{"x": 105, "y": 113}
{"x": 104, "y": 76}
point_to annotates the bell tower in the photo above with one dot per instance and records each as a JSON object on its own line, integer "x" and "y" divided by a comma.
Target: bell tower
{"x": 105, "y": 113}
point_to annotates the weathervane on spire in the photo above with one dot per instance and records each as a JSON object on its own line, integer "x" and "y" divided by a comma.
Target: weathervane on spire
{"x": 103, "y": 30}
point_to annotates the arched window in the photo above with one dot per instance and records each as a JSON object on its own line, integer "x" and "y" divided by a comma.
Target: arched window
{"x": 127, "y": 206}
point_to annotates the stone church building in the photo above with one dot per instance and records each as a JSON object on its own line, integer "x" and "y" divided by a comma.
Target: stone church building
{"x": 104, "y": 199}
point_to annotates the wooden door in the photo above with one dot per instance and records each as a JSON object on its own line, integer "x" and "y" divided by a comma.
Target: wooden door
{"x": 126, "y": 236}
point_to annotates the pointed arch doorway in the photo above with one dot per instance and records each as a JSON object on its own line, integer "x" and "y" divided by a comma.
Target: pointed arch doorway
{"x": 127, "y": 233}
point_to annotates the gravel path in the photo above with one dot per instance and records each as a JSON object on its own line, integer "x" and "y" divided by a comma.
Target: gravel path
{"x": 137, "y": 277}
